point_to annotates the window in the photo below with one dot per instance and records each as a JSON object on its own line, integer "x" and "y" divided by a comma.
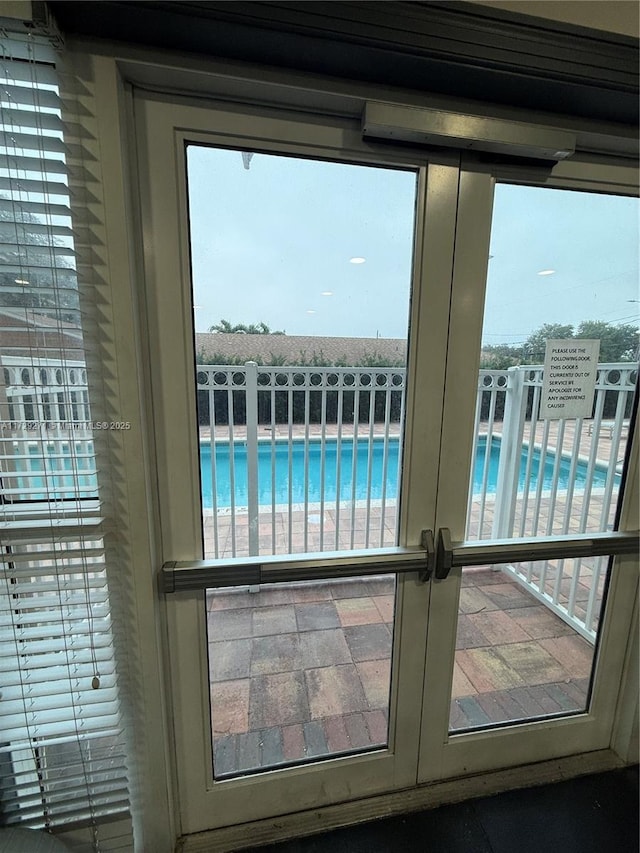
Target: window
{"x": 62, "y": 753}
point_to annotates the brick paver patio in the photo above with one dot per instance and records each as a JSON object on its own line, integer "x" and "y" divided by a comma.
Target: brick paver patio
{"x": 303, "y": 672}
{"x": 515, "y": 659}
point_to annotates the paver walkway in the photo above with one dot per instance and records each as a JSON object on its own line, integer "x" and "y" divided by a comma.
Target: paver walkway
{"x": 302, "y": 672}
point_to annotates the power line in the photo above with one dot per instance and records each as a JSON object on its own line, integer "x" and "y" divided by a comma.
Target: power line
{"x": 622, "y": 319}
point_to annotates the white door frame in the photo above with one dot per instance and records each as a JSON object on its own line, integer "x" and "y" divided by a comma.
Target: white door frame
{"x": 444, "y": 755}
{"x": 162, "y": 131}
{"x": 452, "y": 206}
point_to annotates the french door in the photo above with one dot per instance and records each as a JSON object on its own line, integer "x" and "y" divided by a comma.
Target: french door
{"x": 311, "y": 629}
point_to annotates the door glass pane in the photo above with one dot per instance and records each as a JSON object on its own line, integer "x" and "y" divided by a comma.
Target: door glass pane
{"x": 516, "y": 658}
{"x": 301, "y": 274}
{"x": 550, "y": 447}
{"x": 299, "y": 672}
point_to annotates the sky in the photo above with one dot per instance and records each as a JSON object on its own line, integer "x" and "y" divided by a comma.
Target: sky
{"x": 319, "y": 248}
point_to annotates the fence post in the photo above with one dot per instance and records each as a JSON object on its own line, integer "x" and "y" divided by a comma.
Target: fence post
{"x": 515, "y": 409}
{"x": 251, "y": 415}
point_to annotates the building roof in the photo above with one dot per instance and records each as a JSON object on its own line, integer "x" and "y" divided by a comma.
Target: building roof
{"x": 24, "y": 328}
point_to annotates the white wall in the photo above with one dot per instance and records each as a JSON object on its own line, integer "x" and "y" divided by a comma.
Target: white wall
{"x": 613, "y": 16}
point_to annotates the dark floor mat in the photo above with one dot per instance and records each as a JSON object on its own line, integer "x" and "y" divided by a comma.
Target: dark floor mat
{"x": 590, "y": 814}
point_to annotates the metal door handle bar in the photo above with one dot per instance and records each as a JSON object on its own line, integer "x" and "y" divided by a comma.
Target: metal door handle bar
{"x": 212, "y": 574}
{"x": 451, "y": 554}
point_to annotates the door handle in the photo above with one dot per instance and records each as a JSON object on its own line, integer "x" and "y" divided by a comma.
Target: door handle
{"x": 444, "y": 554}
{"x": 427, "y": 543}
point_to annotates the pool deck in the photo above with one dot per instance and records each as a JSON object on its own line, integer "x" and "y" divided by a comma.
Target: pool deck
{"x": 302, "y": 672}
{"x": 299, "y": 431}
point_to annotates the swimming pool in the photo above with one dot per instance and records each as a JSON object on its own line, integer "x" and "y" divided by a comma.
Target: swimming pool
{"x": 372, "y": 482}
{"x": 63, "y": 473}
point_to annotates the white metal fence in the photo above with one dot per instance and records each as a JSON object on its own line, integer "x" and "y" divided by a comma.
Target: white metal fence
{"x": 300, "y": 459}
{"x": 319, "y": 450}
{"x": 554, "y": 477}
{"x": 46, "y": 435}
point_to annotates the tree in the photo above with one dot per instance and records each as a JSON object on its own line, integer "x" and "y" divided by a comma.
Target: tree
{"x": 617, "y": 343}
{"x": 50, "y": 286}
{"x": 535, "y": 345}
{"x": 499, "y": 357}
{"x": 227, "y": 328}
{"x": 223, "y": 327}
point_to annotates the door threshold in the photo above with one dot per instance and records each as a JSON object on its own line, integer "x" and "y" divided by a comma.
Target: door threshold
{"x": 313, "y": 821}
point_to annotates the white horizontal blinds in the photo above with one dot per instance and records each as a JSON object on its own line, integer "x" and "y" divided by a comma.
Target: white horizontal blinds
{"x": 62, "y": 754}
{"x": 46, "y": 449}
{"x": 59, "y": 734}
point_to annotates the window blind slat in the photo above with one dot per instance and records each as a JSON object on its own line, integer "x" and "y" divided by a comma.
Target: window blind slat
{"x": 44, "y": 76}
{"x": 37, "y": 252}
{"x": 31, "y": 117}
{"x": 50, "y": 700}
{"x": 28, "y": 231}
{"x": 53, "y": 527}
{"x": 11, "y": 94}
{"x": 41, "y": 636}
{"x": 40, "y": 652}
{"x": 14, "y": 692}
{"x": 37, "y": 561}
{"x": 54, "y": 551}
{"x": 72, "y": 812}
{"x": 54, "y": 599}
{"x": 111, "y": 761}
{"x": 105, "y": 805}
{"x": 107, "y": 793}
{"x": 66, "y": 674}
{"x": 22, "y": 209}
{"x": 31, "y": 185}
{"x": 68, "y": 612}
{"x": 54, "y": 283}
{"x": 44, "y": 732}
{"x": 54, "y": 315}
{"x": 54, "y": 722}
{"x": 83, "y": 705}
{"x": 63, "y": 586}
{"x": 79, "y": 662}
{"x": 25, "y": 140}
{"x": 68, "y": 740}
{"x": 102, "y": 780}
{"x": 54, "y": 539}
{"x": 20, "y": 163}
{"x": 49, "y": 719}
{"x": 58, "y": 804}
{"x": 113, "y": 792}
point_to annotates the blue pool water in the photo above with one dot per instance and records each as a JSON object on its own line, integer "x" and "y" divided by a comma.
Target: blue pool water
{"x": 313, "y": 465}
{"x": 63, "y": 475}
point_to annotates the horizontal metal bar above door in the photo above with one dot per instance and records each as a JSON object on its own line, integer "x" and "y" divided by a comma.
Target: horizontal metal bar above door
{"x": 426, "y": 126}
{"x": 212, "y": 574}
{"x": 451, "y": 554}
